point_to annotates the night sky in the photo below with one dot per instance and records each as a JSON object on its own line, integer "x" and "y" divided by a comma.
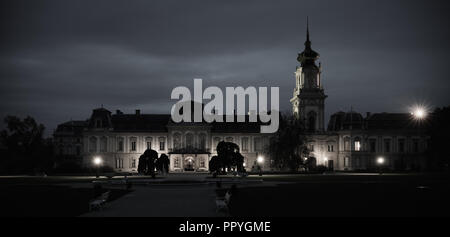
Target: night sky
{"x": 61, "y": 59}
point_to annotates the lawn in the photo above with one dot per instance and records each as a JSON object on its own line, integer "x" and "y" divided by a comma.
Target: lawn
{"x": 47, "y": 200}
{"x": 352, "y": 195}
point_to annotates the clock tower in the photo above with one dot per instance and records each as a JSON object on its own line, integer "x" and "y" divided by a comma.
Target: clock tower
{"x": 308, "y": 101}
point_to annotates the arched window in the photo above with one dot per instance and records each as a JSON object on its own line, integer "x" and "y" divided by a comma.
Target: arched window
{"x": 92, "y": 144}
{"x": 189, "y": 140}
{"x": 357, "y": 144}
{"x": 177, "y": 141}
{"x": 346, "y": 143}
{"x": 202, "y": 141}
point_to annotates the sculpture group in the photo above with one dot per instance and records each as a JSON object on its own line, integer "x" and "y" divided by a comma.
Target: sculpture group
{"x": 228, "y": 158}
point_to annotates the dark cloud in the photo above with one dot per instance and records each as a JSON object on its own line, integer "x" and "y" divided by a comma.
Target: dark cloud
{"x": 60, "y": 59}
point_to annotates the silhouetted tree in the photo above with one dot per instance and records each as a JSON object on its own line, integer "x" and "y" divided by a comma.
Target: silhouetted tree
{"x": 439, "y": 131}
{"x": 288, "y": 146}
{"x": 24, "y": 148}
{"x": 142, "y": 166}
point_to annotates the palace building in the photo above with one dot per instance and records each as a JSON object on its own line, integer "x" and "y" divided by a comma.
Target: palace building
{"x": 349, "y": 142}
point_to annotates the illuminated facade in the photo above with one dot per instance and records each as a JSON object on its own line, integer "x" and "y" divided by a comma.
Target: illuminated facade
{"x": 350, "y": 142}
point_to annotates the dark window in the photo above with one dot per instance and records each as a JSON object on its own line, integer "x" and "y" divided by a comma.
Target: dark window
{"x": 415, "y": 145}
{"x": 387, "y": 145}
{"x": 98, "y": 123}
{"x": 120, "y": 148}
{"x": 401, "y": 145}
{"x": 373, "y": 145}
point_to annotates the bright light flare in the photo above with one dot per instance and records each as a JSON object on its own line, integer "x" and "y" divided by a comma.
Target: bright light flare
{"x": 419, "y": 112}
{"x": 380, "y": 160}
{"x": 260, "y": 159}
{"x": 97, "y": 160}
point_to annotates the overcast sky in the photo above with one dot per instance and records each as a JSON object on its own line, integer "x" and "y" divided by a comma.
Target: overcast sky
{"x": 61, "y": 59}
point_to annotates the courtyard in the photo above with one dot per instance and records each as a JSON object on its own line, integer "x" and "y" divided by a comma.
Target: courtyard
{"x": 269, "y": 195}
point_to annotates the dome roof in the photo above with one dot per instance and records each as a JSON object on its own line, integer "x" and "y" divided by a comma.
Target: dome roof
{"x": 345, "y": 121}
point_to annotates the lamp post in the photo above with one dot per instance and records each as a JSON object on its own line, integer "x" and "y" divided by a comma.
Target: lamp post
{"x": 380, "y": 162}
{"x": 419, "y": 114}
{"x": 97, "y": 162}
{"x": 260, "y": 161}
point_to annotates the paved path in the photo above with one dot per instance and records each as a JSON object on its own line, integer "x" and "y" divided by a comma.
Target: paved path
{"x": 190, "y": 200}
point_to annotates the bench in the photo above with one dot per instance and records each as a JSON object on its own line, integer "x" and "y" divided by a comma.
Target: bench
{"x": 223, "y": 202}
{"x": 99, "y": 202}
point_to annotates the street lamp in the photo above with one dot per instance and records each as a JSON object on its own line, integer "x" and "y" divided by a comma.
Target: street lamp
{"x": 97, "y": 162}
{"x": 419, "y": 112}
{"x": 380, "y": 162}
{"x": 260, "y": 161}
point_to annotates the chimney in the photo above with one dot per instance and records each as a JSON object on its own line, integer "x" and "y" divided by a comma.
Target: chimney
{"x": 367, "y": 114}
{"x": 118, "y": 111}
{"x": 138, "y": 112}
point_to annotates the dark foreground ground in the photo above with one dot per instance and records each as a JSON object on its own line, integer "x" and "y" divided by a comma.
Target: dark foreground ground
{"x": 332, "y": 195}
{"x": 347, "y": 195}
{"x": 48, "y": 200}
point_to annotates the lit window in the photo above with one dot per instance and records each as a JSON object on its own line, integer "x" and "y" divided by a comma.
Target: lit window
{"x": 245, "y": 143}
{"x": 162, "y": 143}
{"x": 120, "y": 144}
{"x": 357, "y": 145}
{"x": 133, "y": 146}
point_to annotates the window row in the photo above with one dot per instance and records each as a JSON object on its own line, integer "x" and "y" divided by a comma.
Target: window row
{"x": 120, "y": 144}
{"x": 387, "y": 145}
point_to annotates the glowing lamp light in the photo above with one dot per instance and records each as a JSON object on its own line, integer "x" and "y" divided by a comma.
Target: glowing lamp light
{"x": 380, "y": 160}
{"x": 260, "y": 159}
{"x": 419, "y": 112}
{"x": 97, "y": 160}
{"x": 325, "y": 159}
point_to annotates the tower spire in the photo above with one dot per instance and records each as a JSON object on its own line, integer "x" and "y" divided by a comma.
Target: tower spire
{"x": 307, "y": 29}
{"x": 307, "y": 42}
